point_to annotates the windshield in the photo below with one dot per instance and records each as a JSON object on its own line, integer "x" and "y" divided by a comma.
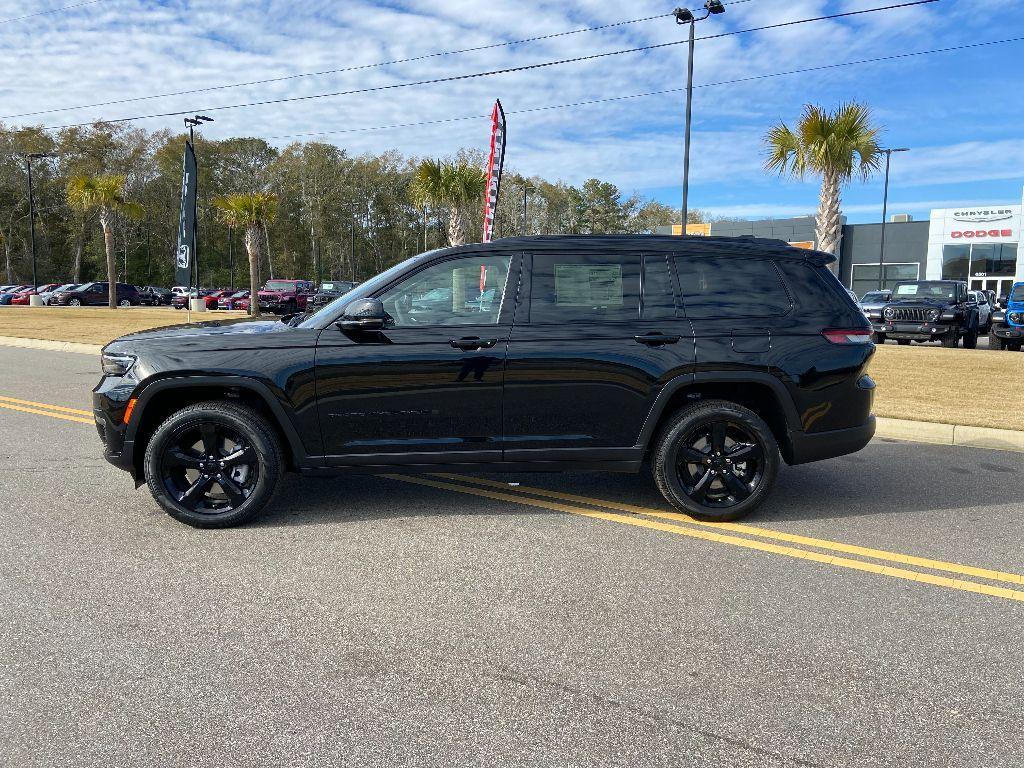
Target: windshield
{"x": 1017, "y": 294}
{"x": 279, "y": 285}
{"x": 925, "y": 290}
{"x": 874, "y": 296}
{"x": 239, "y": 295}
{"x": 366, "y": 288}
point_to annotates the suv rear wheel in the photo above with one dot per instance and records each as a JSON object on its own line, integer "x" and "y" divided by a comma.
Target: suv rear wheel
{"x": 716, "y": 460}
{"x": 213, "y": 464}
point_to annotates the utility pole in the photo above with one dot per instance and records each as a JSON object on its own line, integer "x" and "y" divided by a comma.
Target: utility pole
{"x": 685, "y": 16}
{"x": 231, "y": 255}
{"x": 885, "y": 211}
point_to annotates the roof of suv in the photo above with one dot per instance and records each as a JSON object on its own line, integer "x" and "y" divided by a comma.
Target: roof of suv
{"x": 695, "y": 245}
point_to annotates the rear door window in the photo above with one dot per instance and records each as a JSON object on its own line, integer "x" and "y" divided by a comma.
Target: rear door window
{"x": 584, "y": 288}
{"x": 731, "y": 286}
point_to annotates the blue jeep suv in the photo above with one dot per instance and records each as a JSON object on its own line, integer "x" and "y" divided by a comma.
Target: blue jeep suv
{"x": 1007, "y": 330}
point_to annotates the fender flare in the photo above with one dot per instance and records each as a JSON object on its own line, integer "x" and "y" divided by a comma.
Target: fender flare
{"x": 261, "y": 390}
{"x": 789, "y": 412}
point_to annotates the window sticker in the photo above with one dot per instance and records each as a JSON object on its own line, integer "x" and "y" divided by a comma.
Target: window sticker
{"x": 906, "y": 290}
{"x": 588, "y": 285}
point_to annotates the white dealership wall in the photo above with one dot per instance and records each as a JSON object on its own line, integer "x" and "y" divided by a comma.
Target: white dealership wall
{"x": 976, "y": 224}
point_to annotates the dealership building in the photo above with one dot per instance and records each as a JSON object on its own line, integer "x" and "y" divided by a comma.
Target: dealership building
{"x": 979, "y": 244}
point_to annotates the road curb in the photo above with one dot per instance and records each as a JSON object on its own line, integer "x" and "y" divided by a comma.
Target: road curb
{"x": 50, "y": 346}
{"x": 950, "y": 434}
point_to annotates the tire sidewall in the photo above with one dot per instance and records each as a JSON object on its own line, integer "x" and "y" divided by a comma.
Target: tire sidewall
{"x": 247, "y": 424}
{"x": 693, "y": 417}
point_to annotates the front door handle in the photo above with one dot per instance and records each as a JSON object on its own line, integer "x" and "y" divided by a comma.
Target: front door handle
{"x": 656, "y": 339}
{"x": 472, "y": 342}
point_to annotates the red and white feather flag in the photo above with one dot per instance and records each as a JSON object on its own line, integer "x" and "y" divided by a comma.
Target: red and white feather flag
{"x": 495, "y": 162}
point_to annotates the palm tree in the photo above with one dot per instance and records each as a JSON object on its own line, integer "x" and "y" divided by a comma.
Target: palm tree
{"x": 834, "y": 145}
{"x": 455, "y": 186}
{"x": 250, "y": 212}
{"x": 104, "y": 194}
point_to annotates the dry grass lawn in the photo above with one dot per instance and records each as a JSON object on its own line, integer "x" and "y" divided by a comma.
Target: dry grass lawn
{"x": 953, "y": 386}
{"x": 979, "y": 387}
{"x": 93, "y": 325}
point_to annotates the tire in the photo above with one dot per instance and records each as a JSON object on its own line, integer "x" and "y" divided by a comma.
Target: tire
{"x": 704, "y": 430}
{"x": 175, "y": 468}
{"x": 903, "y": 342}
{"x": 950, "y": 339}
{"x": 179, "y": 307}
{"x": 971, "y": 339}
{"x": 995, "y": 343}
{"x": 879, "y": 338}
{"x": 124, "y": 303}
{"x": 75, "y": 303}
{"x": 1014, "y": 346}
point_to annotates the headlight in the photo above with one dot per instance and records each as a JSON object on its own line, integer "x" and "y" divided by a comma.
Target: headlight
{"x": 116, "y": 365}
{"x": 933, "y": 315}
{"x": 888, "y": 312}
{"x": 1016, "y": 317}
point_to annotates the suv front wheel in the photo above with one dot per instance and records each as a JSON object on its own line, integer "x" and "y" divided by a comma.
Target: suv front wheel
{"x": 213, "y": 464}
{"x": 716, "y": 461}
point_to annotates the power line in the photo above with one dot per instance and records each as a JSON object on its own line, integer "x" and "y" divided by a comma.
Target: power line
{"x": 354, "y": 68}
{"x": 655, "y": 93}
{"x": 490, "y": 73}
{"x": 51, "y": 10}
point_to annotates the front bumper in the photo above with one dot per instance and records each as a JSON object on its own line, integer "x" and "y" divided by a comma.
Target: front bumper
{"x": 912, "y": 331}
{"x": 109, "y": 400}
{"x": 1008, "y": 332}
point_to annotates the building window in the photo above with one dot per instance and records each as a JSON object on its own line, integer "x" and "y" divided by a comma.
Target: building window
{"x": 865, "y": 276}
{"x": 955, "y": 261}
{"x": 993, "y": 259}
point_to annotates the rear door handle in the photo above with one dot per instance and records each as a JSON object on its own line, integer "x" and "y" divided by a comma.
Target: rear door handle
{"x": 472, "y": 342}
{"x": 656, "y": 339}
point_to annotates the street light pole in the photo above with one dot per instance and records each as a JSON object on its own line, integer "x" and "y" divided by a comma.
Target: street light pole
{"x": 32, "y": 213}
{"x": 885, "y": 210}
{"x": 685, "y": 16}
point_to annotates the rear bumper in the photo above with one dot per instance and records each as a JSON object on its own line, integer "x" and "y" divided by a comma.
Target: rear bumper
{"x": 808, "y": 447}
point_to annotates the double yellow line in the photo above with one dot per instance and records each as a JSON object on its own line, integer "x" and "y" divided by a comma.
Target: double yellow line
{"x": 44, "y": 409}
{"x": 744, "y": 536}
{"x": 938, "y": 573}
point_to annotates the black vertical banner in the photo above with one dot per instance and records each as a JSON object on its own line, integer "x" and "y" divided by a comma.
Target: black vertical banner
{"x": 185, "y": 255}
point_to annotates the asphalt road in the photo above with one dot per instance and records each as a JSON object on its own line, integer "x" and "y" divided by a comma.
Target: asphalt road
{"x": 376, "y": 621}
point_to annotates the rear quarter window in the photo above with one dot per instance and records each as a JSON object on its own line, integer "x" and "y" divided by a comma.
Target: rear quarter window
{"x": 731, "y": 286}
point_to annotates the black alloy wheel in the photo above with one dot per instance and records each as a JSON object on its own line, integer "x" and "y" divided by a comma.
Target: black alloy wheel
{"x": 213, "y": 464}
{"x": 716, "y": 461}
{"x": 209, "y": 468}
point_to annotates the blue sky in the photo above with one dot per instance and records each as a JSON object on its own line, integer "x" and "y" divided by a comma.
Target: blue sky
{"x": 961, "y": 113}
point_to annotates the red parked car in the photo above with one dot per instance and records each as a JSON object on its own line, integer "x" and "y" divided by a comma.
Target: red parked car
{"x": 22, "y": 298}
{"x": 237, "y": 300}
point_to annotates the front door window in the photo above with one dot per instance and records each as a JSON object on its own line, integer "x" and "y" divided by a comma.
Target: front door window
{"x": 463, "y": 291}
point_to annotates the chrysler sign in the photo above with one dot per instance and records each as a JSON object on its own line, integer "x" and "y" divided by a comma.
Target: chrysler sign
{"x": 983, "y": 215}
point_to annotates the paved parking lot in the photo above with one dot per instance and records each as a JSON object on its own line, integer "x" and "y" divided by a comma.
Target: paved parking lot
{"x": 568, "y": 620}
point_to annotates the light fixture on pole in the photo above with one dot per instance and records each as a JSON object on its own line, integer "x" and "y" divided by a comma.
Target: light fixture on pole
{"x": 192, "y": 122}
{"x": 685, "y": 16}
{"x": 34, "y": 299}
{"x": 885, "y": 210}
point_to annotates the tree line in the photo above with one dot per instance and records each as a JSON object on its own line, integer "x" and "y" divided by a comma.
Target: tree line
{"x": 334, "y": 215}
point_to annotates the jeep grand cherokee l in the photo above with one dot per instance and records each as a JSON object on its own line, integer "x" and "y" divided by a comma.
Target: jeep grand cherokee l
{"x": 711, "y": 360}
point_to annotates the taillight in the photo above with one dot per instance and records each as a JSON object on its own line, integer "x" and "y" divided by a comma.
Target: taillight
{"x": 851, "y": 336}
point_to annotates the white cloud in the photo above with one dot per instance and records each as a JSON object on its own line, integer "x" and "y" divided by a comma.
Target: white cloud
{"x": 126, "y": 48}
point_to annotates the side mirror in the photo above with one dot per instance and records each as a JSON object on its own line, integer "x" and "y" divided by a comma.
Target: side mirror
{"x": 363, "y": 315}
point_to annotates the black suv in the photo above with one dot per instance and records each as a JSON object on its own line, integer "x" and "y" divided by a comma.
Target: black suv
{"x": 928, "y": 310}
{"x": 707, "y": 359}
{"x": 329, "y": 291}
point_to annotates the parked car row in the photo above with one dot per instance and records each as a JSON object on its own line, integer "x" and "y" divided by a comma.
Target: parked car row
{"x": 277, "y": 296}
{"x": 936, "y": 310}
